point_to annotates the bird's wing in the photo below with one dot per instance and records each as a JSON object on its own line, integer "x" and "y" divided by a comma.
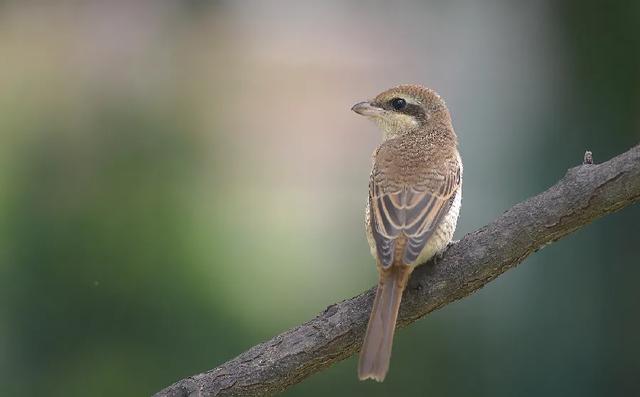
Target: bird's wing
{"x": 411, "y": 211}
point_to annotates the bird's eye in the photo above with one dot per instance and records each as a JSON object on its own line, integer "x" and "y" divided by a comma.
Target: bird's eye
{"x": 398, "y": 103}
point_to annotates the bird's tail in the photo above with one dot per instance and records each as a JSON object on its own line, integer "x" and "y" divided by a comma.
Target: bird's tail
{"x": 376, "y": 348}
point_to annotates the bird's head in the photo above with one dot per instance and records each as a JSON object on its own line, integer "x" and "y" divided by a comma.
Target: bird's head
{"x": 404, "y": 109}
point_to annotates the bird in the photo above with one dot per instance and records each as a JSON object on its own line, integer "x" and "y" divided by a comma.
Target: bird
{"x": 415, "y": 194}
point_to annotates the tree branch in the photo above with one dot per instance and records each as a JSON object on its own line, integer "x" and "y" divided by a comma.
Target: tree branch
{"x": 585, "y": 193}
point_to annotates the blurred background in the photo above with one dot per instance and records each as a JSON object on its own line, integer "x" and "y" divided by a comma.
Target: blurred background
{"x": 181, "y": 180}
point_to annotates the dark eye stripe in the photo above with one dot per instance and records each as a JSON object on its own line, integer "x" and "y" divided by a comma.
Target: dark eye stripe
{"x": 414, "y": 110}
{"x": 410, "y": 109}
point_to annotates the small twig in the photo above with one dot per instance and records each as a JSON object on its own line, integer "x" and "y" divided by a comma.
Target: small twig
{"x": 588, "y": 158}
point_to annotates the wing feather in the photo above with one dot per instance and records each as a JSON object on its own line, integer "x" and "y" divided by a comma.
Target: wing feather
{"x": 411, "y": 212}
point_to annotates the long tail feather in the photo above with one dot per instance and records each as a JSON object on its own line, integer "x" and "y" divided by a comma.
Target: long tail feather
{"x": 376, "y": 348}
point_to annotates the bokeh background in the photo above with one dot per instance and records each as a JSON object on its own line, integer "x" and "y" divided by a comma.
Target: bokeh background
{"x": 182, "y": 180}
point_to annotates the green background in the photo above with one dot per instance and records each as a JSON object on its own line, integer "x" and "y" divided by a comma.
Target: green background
{"x": 182, "y": 180}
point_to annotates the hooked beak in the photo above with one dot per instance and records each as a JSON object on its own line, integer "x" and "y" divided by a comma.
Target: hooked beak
{"x": 367, "y": 109}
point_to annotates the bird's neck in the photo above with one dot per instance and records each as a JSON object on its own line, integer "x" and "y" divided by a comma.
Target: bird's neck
{"x": 397, "y": 127}
{"x": 438, "y": 129}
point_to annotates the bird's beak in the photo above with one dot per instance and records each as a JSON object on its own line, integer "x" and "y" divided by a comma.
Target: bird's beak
{"x": 367, "y": 109}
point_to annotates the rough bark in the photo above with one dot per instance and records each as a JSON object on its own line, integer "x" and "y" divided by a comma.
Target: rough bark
{"x": 585, "y": 193}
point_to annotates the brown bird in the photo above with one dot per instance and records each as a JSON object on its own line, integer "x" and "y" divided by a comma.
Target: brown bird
{"x": 415, "y": 190}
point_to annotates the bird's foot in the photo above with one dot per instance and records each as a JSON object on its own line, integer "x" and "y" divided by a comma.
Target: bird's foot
{"x": 438, "y": 256}
{"x": 452, "y": 242}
